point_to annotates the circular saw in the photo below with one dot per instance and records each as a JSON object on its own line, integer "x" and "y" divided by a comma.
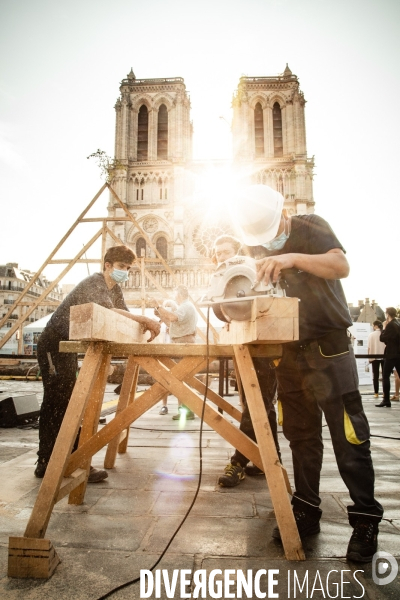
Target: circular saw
{"x": 233, "y": 286}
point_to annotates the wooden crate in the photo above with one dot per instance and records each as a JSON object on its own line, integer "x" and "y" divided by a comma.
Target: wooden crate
{"x": 273, "y": 321}
{"x": 94, "y": 322}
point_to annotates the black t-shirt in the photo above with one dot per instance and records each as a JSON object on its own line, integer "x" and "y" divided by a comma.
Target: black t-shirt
{"x": 92, "y": 289}
{"x": 323, "y": 305}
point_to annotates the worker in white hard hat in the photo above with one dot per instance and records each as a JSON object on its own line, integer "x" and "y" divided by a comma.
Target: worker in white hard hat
{"x": 318, "y": 373}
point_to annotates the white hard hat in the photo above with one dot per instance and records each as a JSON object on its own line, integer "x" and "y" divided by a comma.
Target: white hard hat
{"x": 257, "y": 213}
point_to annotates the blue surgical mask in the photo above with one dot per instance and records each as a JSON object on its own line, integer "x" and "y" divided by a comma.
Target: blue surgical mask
{"x": 119, "y": 276}
{"x": 278, "y": 242}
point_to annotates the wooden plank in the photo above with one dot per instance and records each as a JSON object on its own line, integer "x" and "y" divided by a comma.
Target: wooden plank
{"x": 90, "y": 423}
{"x": 124, "y": 437}
{"x": 53, "y": 253}
{"x": 29, "y": 557}
{"x": 47, "y": 291}
{"x": 94, "y": 322}
{"x": 211, "y": 416}
{"x": 199, "y": 386}
{"x": 9, "y": 361}
{"x": 174, "y": 350}
{"x": 51, "y": 483}
{"x": 269, "y": 456}
{"x": 70, "y": 483}
{"x": 132, "y": 412}
{"x": 273, "y": 321}
{"x": 127, "y": 395}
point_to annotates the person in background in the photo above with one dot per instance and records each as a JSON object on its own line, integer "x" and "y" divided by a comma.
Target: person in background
{"x": 391, "y": 337}
{"x": 182, "y": 323}
{"x": 59, "y": 369}
{"x": 226, "y": 247}
{"x": 375, "y": 346}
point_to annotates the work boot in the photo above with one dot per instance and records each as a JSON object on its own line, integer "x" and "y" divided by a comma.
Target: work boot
{"x": 384, "y": 404}
{"x": 97, "y": 475}
{"x": 307, "y": 523}
{"x": 184, "y": 410}
{"x": 363, "y": 543}
{"x": 253, "y": 471}
{"x": 233, "y": 475}
{"x": 41, "y": 467}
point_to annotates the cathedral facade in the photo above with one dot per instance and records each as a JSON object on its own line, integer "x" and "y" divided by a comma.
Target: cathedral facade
{"x": 158, "y": 180}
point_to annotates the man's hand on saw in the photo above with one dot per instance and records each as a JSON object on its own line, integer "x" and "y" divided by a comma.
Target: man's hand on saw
{"x": 269, "y": 268}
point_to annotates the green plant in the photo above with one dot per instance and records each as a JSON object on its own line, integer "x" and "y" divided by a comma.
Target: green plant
{"x": 107, "y": 165}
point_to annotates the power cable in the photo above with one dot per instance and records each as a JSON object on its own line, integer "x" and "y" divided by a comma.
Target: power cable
{"x": 133, "y": 581}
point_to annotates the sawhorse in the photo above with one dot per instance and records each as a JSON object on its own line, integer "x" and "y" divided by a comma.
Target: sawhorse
{"x": 66, "y": 474}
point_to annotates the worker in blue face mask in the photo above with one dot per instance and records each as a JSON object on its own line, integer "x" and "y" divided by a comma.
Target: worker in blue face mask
{"x": 317, "y": 374}
{"x": 59, "y": 369}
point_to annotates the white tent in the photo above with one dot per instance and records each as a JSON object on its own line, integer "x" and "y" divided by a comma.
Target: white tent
{"x": 32, "y": 332}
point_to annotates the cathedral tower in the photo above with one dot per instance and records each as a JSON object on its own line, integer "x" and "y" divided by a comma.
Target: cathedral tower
{"x": 153, "y": 151}
{"x": 269, "y": 137}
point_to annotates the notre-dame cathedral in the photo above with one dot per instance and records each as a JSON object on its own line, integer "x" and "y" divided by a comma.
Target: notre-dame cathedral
{"x": 157, "y": 177}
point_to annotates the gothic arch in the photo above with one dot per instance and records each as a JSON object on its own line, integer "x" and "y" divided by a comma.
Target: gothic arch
{"x": 258, "y": 98}
{"x": 163, "y": 229}
{"x": 281, "y": 100}
{"x": 142, "y": 99}
{"x": 162, "y": 99}
{"x": 162, "y": 242}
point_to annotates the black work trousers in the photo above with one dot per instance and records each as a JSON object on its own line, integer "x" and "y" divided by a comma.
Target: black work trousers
{"x": 388, "y": 366}
{"x": 376, "y": 366}
{"x": 310, "y": 384}
{"x": 267, "y": 379}
{"x": 58, "y": 384}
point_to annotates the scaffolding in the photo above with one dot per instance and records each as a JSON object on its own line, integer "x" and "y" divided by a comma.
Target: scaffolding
{"x": 103, "y": 232}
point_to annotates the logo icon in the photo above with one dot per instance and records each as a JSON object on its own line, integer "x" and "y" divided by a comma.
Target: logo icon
{"x": 384, "y": 564}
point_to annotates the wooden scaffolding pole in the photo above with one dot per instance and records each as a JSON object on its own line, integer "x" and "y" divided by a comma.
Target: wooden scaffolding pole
{"x": 47, "y": 261}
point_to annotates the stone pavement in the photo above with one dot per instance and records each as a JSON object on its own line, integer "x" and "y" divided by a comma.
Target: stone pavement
{"x": 127, "y": 520}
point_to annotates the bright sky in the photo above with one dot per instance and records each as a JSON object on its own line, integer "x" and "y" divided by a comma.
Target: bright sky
{"x": 59, "y": 78}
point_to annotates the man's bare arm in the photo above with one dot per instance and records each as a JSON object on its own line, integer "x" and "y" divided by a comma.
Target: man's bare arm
{"x": 331, "y": 265}
{"x": 166, "y": 315}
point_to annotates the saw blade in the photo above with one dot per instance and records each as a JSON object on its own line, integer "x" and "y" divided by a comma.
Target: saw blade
{"x": 237, "y": 287}
{"x": 219, "y": 314}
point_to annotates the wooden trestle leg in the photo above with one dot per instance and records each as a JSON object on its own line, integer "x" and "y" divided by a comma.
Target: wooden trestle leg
{"x": 127, "y": 396}
{"x": 269, "y": 456}
{"x": 31, "y": 555}
{"x": 90, "y": 423}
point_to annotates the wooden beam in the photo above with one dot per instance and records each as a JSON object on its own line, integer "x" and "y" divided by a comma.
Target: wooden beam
{"x": 94, "y": 322}
{"x": 63, "y": 261}
{"x": 273, "y": 320}
{"x": 90, "y": 423}
{"x": 45, "y": 303}
{"x": 70, "y": 483}
{"x": 48, "y": 491}
{"x": 211, "y": 395}
{"x": 53, "y": 253}
{"x": 31, "y": 558}
{"x": 48, "y": 290}
{"x": 132, "y": 412}
{"x": 269, "y": 456}
{"x": 127, "y": 395}
{"x": 211, "y": 416}
{"x": 174, "y": 350}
